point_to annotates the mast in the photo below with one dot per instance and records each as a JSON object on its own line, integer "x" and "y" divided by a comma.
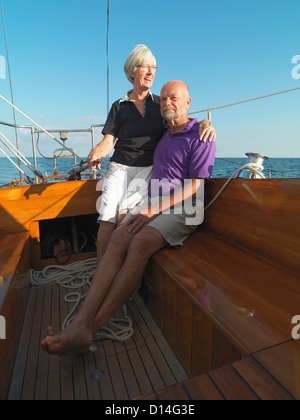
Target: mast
{"x": 107, "y": 56}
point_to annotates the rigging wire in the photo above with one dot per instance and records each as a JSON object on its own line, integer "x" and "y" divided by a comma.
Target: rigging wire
{"x": 10, "y": 83}
{"x": 242, "y": 102}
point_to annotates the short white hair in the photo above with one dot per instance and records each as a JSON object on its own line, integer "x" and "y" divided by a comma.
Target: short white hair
{"x": 138, "y": 56}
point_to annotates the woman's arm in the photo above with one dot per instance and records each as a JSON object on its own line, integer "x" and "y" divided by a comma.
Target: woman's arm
{"x": 206, "y": 131}
{"x": 101, "y": 150}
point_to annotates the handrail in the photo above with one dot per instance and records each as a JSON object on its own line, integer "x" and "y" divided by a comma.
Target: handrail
{"x": 33, "y": 122}
{"x": 14, "y": 125}
{"x": 58, "y": 130}
{"x": 34, "y": 131}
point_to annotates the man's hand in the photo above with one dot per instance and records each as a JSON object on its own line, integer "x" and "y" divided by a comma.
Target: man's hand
{"x": 206, "y": 131}
{"x": 138, "y": 221}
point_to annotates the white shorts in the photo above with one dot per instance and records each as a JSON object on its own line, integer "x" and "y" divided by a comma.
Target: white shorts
{"x": 123, "y": 187}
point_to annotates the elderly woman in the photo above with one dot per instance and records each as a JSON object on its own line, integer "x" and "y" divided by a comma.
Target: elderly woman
{"x": 135, "y": 121}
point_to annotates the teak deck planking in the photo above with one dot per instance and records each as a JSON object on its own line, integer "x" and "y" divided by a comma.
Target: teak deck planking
{"x": 273, "y": 374}
{"x": 140, "y": 366}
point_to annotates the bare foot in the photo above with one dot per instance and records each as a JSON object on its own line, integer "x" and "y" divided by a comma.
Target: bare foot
{"x": 75, "y": 339}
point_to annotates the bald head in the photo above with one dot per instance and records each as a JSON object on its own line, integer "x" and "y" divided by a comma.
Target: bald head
{"x": 175, "y": 102}
{"x": 177, "y": 84}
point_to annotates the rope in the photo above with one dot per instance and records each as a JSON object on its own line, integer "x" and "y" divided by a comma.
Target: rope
{"x": 230, "y": 161}
{"x": 75, "y": 276}
{"x": 243, "y": 102}
{"x": 254, "y": 167}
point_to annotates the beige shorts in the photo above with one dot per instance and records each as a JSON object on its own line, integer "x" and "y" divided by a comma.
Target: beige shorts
{"x": 175, "y": 225}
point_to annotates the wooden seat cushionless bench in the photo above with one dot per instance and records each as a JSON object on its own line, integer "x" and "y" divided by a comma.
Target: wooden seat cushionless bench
{"x": 234, "y": 287}
{"x": 14, "y": 288}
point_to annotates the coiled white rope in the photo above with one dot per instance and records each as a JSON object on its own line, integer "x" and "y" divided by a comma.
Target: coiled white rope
{"x": 76, "y": 276}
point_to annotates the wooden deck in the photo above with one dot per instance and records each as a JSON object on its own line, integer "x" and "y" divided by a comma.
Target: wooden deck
{"x": 142, "y": 365}
{"x": 270, "y": 375}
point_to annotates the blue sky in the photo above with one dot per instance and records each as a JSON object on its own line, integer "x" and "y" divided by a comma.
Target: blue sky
{"x": 226, "y": 51}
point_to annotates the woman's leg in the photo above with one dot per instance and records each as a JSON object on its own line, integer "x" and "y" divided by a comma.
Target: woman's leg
{"x": 104, "y": 235}
{"x": 113, "y": 191}
{"x": 120, "y": 184}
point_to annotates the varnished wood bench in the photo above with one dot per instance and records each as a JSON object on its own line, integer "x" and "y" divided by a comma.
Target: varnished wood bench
{"x": 272, "y": 374}
{"x": 234, "y": 287}
{"x": 14, "y": 287}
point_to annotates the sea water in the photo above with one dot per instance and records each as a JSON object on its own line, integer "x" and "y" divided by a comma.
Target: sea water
{"x": 224, "y": 167}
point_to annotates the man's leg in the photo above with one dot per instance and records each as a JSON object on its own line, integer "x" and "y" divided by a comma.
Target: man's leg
{"x": 142, "y": 247}
{"x": 120, "y": 276}
{"x": 79, "y": 335}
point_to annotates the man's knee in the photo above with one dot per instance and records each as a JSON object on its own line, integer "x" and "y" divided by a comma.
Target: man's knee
{"x": 147, "y": 242}
{"x": 120, "y": 238}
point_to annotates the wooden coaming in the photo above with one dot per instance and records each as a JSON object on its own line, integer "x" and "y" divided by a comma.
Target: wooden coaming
{"x": 22, "y": 206}
{"x": 260, "y": 215}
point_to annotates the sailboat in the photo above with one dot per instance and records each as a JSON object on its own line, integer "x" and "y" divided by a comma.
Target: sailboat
{"x": 218, "y": 319}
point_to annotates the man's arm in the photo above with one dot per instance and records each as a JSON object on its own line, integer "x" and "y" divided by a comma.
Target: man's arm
{"x": 101, "y": 150}
{"x": 145, "y": 216}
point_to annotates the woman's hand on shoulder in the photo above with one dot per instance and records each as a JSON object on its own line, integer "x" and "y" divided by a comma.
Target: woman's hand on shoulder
{"x": 206, "y": 131}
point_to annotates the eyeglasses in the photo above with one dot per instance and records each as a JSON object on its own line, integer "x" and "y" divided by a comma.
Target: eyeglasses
{"x": 146, "y": 67}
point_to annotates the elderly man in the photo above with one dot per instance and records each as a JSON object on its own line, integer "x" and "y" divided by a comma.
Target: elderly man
{"x": 163, "y": 218}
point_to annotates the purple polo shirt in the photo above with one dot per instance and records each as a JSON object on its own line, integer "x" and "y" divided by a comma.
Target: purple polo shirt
{"x": 181, "y": 156}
